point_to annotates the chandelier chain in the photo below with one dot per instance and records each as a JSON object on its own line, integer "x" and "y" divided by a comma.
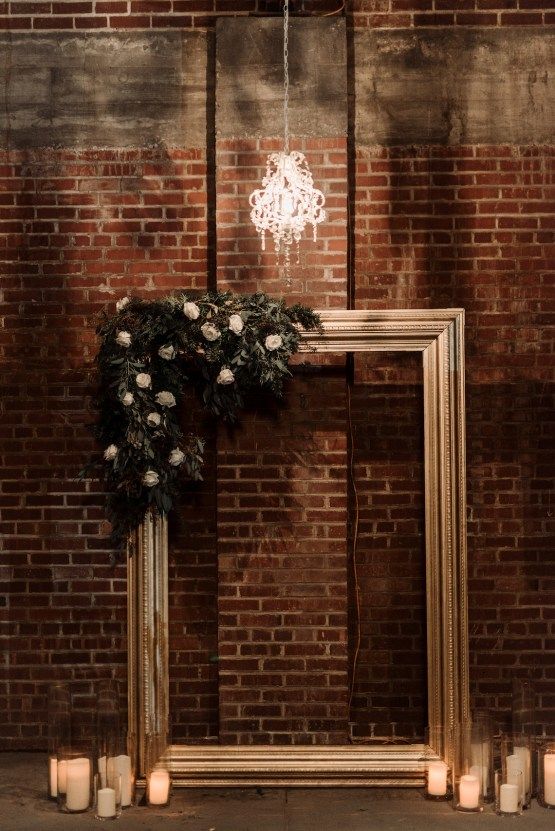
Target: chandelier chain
{"x": 286, "y": 75}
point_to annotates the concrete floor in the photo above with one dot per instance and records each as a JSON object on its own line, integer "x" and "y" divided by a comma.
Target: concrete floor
{"x": 23, "y": 807}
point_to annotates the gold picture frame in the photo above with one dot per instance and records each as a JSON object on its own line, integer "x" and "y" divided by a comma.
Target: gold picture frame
{"x": 438, "y": 334}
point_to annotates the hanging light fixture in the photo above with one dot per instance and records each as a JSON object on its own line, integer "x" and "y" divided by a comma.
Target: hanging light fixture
{"x": 288, "y": 200}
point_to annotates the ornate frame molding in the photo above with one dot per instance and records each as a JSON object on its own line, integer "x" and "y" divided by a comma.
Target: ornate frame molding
{"x": 439, "y": 335}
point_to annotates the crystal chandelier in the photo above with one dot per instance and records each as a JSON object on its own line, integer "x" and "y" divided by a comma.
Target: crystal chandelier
{"x": 288, "y": 200}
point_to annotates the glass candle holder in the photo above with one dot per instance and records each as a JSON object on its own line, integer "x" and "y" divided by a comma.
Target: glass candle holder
{"x": 467, "y": 779}
{"x": 523, "y": 706}
{"x": 508, "y": 793}
{"x": 122, "y": 757}
{"x": 108, "y": 734}
{"x": 107, "y": 794}
{"x": 75, "y": 779}
{"x": 546, "y": 775}
{"x": 516, "y": 754}
{"x": 59, "y": 731}
{"x": 481, "y": 752}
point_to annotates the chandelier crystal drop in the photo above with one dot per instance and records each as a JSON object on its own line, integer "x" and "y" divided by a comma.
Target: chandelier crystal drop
{"x": 288, "y": 200}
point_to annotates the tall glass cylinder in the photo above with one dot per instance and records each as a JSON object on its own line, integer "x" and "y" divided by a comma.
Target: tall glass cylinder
{"x": 108, "y": 733}
{"x": 523, "y": 706}
{"x": 59, "y": 731}
{"x": 467, "y": 778}
{"x": 481, "y": 752}
{"x": 516, "y": 755}
{"x": 546, "y": 775}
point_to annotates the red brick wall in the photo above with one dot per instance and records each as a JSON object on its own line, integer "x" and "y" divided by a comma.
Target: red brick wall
{"x": 473, "y": 227}
{"x": 468, "y": 226}
{"x": 388, "y": 655}
{"x": 144, "y": 14}
{"x": 77, "y": 231}
{"x": 282, "y": 569}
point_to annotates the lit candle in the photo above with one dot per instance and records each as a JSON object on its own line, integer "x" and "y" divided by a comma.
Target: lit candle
{"x": 106, "y": 803}
{"x": 78, "y": 784}
{"x": 469, "y": 792}
{"x": 514, "y": 767}
{"x": 508, "y": 799}
{"x": 437, "y": 778}
{"x": 549, "y": 778}
{"x": 158, "y": 787}
{"x": 62, "y": 776}
{"x": 123, "y": 767}
{"x": 53, "y": 776}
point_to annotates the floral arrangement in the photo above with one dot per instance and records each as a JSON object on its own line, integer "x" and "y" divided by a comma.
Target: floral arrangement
{"x": 221, "y": 345}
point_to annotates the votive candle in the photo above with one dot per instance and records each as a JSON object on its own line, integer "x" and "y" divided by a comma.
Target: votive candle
{"x": 437, "y": 778}
{"x": 106, "y": 803}
{"x": 158, "y": 787}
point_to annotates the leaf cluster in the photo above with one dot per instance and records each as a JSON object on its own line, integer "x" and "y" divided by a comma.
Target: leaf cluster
{"x": 144, "y": 447}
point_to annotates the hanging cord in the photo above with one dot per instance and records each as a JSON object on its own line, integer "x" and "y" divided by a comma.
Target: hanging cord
{"x": 286, "y": 75}
{"x": 355, "y": 543}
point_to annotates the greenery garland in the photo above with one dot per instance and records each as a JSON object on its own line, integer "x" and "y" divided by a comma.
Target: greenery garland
{"x": 221, "y": 345}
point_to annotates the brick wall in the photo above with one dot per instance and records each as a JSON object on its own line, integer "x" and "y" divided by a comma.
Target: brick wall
{"x": 473, "y": 227}
{"x": 145, "y": 14}
{"x": 466, "y": 225}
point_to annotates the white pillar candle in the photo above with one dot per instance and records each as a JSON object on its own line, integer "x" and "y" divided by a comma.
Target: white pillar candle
{"x": 158, "y": 787}
{"x": 437, "y": 778}
{"x": 62, "y": 776}
{"x": 469, "y": 792}
{"x": 123, "y": 767}
{"x": 514, "y": 765}
{"x": 549, "y": 778}
{"x": 78, "y": 784}
{"x": 102, "y": 771}
{"x": 106, "y": 803}
{"x": 480, "y": 758}
{"x": 508, "y": 799}
{"x": 523, "y": 755}
{"x": 53, "y": 775}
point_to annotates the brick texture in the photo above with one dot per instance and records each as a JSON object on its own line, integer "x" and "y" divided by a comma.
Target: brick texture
{"x": 473, "y": 227}
{"x": 467, "y": 226}
{"x": 282, "y": 529}
{"x": 184, "y": 14}
{"x": 78, "y": 231}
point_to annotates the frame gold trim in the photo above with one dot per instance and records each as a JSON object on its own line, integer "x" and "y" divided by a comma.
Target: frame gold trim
{"x": 439, "y": 335}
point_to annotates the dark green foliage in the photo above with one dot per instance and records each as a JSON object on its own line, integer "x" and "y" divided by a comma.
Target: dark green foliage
{"x": 195, "y": 363}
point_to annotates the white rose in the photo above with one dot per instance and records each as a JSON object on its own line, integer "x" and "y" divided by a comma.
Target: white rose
{"x": 236, "y": 324}
{"x": 143, "y": 380}
{"x": 127, "y": 399}
{"x": 167, "y": 352}
{"x": 111, "y": 452}
{"x": 226, "y": 376}
{"x": 165, "y": 399}
{"x": 121, "y": 304}
{"x": 150, "y": 478}
{"x": 209, "y": 331}
{"x": 191, "y": 310}
{"x": 153, "y": 419}
{"x": 273, "y": 342}
{"x": 123, "y": 339}
{"x": 176, "y": 457}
